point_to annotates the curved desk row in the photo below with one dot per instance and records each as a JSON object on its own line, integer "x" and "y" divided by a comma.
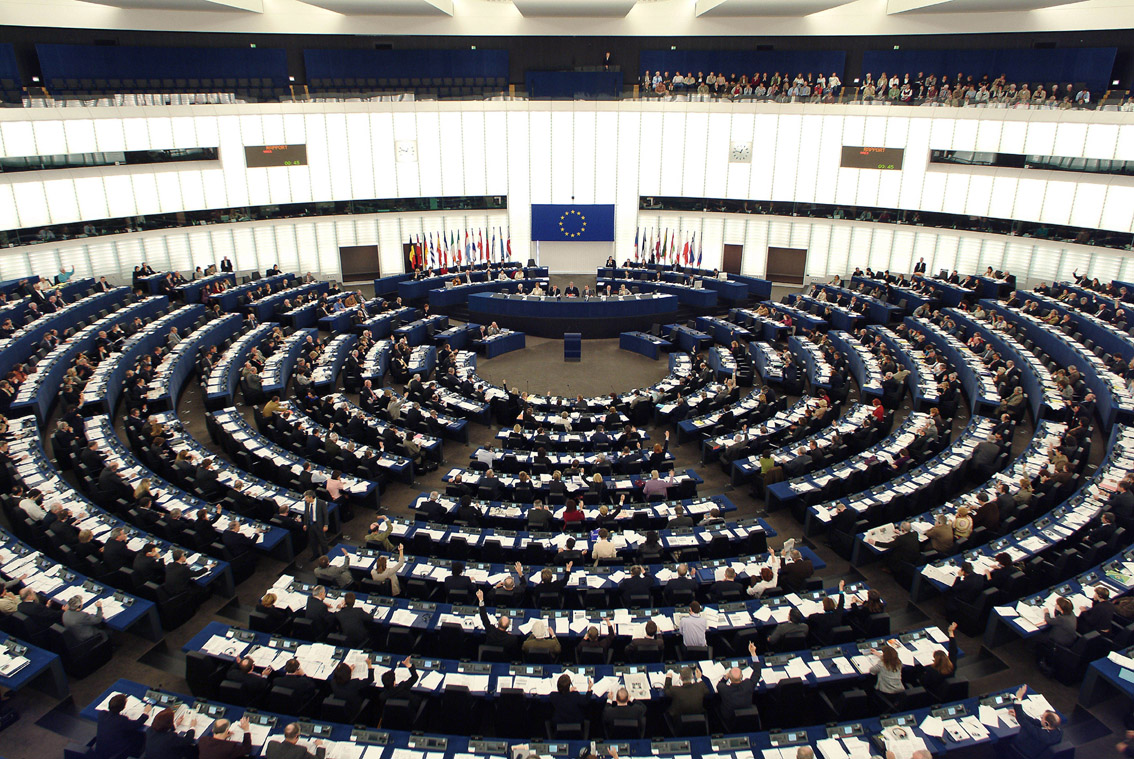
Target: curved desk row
{"x": 346, "y": 740}
{"x": 458, "y": 295}
{"x": 552, "y": 317}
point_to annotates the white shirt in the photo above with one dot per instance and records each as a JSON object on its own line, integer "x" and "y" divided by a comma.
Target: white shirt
{"x": 32, "y": 509}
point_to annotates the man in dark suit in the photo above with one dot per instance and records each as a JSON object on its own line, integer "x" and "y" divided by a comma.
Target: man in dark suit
{"x": 983, "y": 462}
{"x": 687, "y": 697}
{"x": 966, "y": 590}
{"x": 315, "y": 524}
{"x": 905, "y": 548}
{"x": 919, "y": 267}
{"x": 1099, "y": 615}
{"x": 798, "y": 464}
{"x": 498, "y": 634}
{"x": 636, "y": 586}
{"x": 254, "y": 684}
{"x": 1121, "y": 502}
{"x": 458, "y": 582}
{"x": 683, "y": 582}
{"x": 41, "y": 614}
{"x": 235, "y": 541}
{"x": 114, "y": 552}
{"x": 148, "y": 566}
{"x": 296, "y": 679}
{"x": 317, "y": 611}
{"x": 568, "y": 554}
{"x": 735, "y": 690}
{"x": 289, "y": 747}
{"x": 178, "y": 577}
{"x": 430, "y": 510}
{"x": 206, "y": 480}
{"x": 117, "y": 734}
{"x": 490, "y": 484}
{"x": 219, "y": 743}
{"x": 727, "y": 589}
{"x": 354, "y": 623}
{"x": 794, "y": 575}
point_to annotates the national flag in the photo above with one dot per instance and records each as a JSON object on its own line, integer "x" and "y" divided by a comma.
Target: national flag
{"x": 635, "y": 246}
{"x": 509, "y": 244}
{"x": 492, "y": 247}
{"x": 480, "y": 245}
{"x": 412, "y": 255}
{"x": 657, "y": 246}
{"x": 444, "y": 250}
{"x": 468, "y": 249}
{"x": 700, "y": 250}
{"x": 664, "y": 247}
{"x": 673, "y": 248}
{"x": 685, "y": 253}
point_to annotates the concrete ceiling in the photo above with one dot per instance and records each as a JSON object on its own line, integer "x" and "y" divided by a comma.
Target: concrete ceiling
{"x": 385, "y": 7}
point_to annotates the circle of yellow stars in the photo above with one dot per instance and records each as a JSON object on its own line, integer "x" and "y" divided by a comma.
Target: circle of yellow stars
{"x": 582, "y": 221}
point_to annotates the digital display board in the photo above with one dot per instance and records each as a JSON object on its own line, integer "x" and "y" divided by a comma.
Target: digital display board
{"x": 887, "y": 159}
{"x": 258, "y": 156}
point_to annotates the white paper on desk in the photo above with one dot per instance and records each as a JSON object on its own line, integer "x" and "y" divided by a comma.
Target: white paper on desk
{"x": 933, "y": 726}
{"x": 818, "y": 669}
{"x": 843, "y": 665}
{"x": 403, "y": 618}
{"x": 344, "y": 750}
{"x": 773, "y": 676}
{"x": 955, "y": 730}
{"x": 218, "y": 645}
{"x": 259, "y": 733}
{"x": 1122, "y": 661}
{"x": 431, "y": 680}
{"x": 781, "y": 614}
{"x": 973, "y": 726}
{"x": 905, "y": 748}
{"x": 988, "y": 716}
{"x": 605, "y": 685}
{"x": 831, "y": 748}
{"x": 798, "y": 668}
{"x": 712, "y": 671}
{"x": 1035, "y": 705}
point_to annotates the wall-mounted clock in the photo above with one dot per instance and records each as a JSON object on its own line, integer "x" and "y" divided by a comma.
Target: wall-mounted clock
{"x": 741, "y": 152}
{"x": 405, "y": 151}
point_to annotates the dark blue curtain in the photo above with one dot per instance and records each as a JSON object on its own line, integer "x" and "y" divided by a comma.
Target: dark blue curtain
{"x": 114, "y": 62}
{"x": 384, "y": 64}
{"x": 571, "y": 84}
{"x": 743, "y": 62}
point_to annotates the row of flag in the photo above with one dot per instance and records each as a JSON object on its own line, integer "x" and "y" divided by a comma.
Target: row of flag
{"x": 662, "y": 246}
{"x": 441, "y": 250}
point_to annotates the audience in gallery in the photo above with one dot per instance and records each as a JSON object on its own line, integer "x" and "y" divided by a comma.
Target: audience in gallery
{"x": 905, "y": 89}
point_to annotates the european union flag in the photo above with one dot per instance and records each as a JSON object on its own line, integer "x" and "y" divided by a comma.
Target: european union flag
{"x": 573, "y": 223}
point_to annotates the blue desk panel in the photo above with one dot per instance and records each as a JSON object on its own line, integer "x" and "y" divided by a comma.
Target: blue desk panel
{"x": 552, "y": 317}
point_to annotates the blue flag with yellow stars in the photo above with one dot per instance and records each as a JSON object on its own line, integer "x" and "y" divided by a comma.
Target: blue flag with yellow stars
{"x": 572, "y": 223}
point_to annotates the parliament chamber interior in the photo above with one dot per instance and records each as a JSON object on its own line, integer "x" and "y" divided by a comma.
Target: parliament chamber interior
{"x": 445, "y": 379}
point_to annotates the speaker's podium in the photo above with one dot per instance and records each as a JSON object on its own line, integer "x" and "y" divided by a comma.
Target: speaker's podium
{"x": 572, "y": 346}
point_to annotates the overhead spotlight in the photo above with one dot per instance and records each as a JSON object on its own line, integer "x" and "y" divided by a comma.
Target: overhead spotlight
{"x": 1114, "y": 83}
{"x": 473, "y": 47}
{"x": 35, "y": 79}
{"x": 897, "y": 47}
{"x": 291, "y": 78}
{"x": 252, "y": 45}
{"x": 856, "y": 80}
{"x": 673, "y": 47}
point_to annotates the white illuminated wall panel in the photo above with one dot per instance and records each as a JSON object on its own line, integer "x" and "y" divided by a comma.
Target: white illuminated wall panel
{"x": 605, "y": 153}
